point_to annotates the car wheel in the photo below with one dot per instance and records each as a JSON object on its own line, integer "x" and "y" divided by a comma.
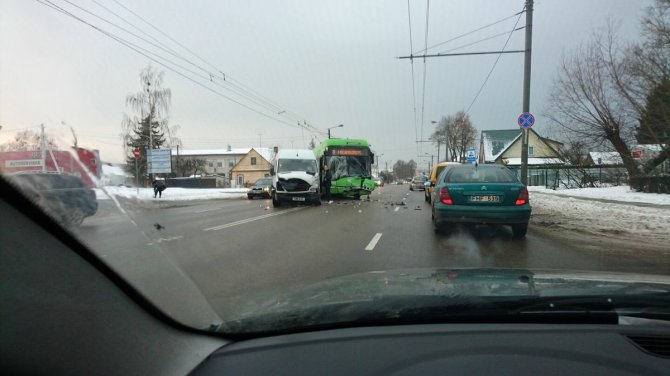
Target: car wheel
{"x": 519, "y": 231}
{"x": 74, "y": 217}
{"x": 275, "y": 202}
{"x": 250, "y": 197}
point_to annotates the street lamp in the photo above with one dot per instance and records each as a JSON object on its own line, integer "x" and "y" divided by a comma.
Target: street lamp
{"x": 337, "y": 126}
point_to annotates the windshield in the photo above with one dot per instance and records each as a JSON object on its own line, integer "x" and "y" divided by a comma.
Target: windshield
{"x": 289, "y": 165}
{"x": 483, "y": 174}
{"x": 144, "y": 129}
{"x": 343, "y": 166}
{"x": 263, "y": 182}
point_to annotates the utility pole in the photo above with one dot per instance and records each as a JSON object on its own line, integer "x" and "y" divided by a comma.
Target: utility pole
{"x": 526, "y": 89}
{"x": 43, "y": 146}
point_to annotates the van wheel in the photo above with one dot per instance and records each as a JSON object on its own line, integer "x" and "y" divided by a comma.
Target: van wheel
{"x": 275, "y": 202}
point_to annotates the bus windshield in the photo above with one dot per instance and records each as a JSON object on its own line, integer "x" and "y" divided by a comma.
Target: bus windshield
{"x": 343, "y": 166}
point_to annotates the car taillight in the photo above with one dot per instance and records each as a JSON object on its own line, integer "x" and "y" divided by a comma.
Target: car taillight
{"x": 444, "y": 197}
{"x": 523, "y": 197}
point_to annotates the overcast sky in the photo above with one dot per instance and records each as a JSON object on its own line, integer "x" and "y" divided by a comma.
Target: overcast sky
{"x": 323, "y": 62}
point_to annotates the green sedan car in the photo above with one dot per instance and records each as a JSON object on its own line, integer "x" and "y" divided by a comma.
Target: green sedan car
{"x": 484, "y": 194}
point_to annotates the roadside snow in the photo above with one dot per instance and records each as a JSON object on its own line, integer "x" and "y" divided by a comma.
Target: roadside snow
{"x": 612, "y": 221}
{"x": 171, "y": 194}
{"x": 621, "y": 193}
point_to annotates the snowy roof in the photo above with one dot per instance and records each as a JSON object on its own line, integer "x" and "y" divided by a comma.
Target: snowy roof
{"x": 534, "y": 161}
{"x": 109, "y": 169}
{"x": 495, "y": 142}
{"x": 605, "y": 157}
{"x": 264, "y": 152}
{"x": 232, "y": 151}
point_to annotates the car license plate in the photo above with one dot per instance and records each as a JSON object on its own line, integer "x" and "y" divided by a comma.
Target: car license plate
{"x": 298, "y": 199}
{"x": 485, "y": 198}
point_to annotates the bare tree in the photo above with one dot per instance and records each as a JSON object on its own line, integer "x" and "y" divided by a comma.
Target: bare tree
{"x": 604, "y": 89}
{"x": 586, "y": 101}
{"x": 150, "y": 120}
{"x": 27, "y": 141}
{"x": 457, "y": 133}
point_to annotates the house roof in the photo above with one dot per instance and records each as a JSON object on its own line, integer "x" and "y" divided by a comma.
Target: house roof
{"x": 605, "y": 157}
{"x": 264, "y": 152}
{"x": 534, "y": 161}
{"x": 495, "y": 142}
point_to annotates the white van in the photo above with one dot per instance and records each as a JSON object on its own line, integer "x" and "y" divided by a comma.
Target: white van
{"x": 295, "y": 177}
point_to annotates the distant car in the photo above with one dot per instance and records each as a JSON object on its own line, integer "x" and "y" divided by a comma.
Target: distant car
{"x": 417, "y": 183}
{"x": 379, "y": 182}
{"x": 470, "y": 194}
{"x": 65, "y": 197}
{"x": 434, "y": 173}
{"x": 261, "y": 188}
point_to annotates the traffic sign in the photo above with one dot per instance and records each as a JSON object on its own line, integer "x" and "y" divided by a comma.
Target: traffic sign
{"x": 137, "y": 153}
{"x": 471, "y": 156}
{"x": 159, "y": 161}
{"x": 526, "y": 120}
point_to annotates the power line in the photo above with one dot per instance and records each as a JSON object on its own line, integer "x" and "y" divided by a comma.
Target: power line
{"x": 468, "y": 33}
{"x": 274, "y": 108}
{"x": 139, "y": 49}
{"x": 226, "y": 78}
{"x": 481, "y": 40}
{"x": 494, "y": 64}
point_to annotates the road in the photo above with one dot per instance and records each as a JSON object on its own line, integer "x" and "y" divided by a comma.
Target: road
{"x": 230, "y": 248}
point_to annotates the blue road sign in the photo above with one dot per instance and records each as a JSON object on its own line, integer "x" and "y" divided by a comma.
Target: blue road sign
{"x": 471, "y": 156}
{"x": 526, "y": 120}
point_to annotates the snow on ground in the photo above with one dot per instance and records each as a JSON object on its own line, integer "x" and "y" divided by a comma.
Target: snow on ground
{"x": 621, "y": 193}
{"x": 171, "y": 194}
{"x": 625, "y": 221}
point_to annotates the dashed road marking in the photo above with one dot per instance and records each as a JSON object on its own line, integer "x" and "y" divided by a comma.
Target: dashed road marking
{"x": 207, "y": 210}
{"x": 396, "y": 208}
{"x": 373, "y": 242}
{"x": 252, "y": 219}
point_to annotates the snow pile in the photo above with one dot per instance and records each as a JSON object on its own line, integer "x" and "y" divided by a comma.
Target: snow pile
{"x": 172, "y": 194}
{"x": 621, "y": 193}
{"x": 626, "y": 221}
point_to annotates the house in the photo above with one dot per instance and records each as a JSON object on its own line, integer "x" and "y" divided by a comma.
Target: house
{"x": 213, "y": 162}
{"x": 252, "y": 166}
{"x": 604, "y": 158}
{"x": 504, "y": 147}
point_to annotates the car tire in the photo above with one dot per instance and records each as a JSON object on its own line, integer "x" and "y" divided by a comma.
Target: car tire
{"x": 275, "y": 201}
{"x": 519, "y": 231}
{"x": 250, "y": 197}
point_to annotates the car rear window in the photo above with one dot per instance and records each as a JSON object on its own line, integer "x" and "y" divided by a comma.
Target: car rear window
{"x": 480, "y": 175}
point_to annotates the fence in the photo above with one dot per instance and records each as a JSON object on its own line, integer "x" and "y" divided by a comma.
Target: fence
{"x": 555, "y": 177}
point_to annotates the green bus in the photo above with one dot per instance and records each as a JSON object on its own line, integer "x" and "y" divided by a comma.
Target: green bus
{"x": 350, "y": 162}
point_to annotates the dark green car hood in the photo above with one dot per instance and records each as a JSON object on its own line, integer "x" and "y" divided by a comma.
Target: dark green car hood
{"x": 358, "y": 294}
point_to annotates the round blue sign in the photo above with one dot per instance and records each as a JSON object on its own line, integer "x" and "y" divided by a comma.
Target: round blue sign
{"x": 526, "y": 120}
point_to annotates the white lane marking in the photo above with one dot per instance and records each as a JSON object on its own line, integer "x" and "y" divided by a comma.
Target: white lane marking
{"x": 243, "y": 221}
{"x": 207, "y": 210}
{"x": 396, "y": 208}
{"x": 161, "y": 240}
{"x": 373, "y": 242}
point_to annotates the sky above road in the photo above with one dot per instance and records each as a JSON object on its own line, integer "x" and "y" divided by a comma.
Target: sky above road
{"x": 322, "y": 63}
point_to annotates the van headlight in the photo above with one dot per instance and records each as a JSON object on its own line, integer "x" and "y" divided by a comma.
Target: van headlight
{"x": 314, "y": 187}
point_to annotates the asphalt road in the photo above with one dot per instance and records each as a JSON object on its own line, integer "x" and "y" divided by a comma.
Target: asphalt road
{"x": 226, "y": 249}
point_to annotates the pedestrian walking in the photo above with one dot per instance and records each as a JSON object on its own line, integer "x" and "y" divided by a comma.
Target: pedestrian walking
{"x": 327, "y": 177}
{"x": 159, "y": 186}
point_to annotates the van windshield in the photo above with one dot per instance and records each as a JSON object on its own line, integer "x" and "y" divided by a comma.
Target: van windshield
{"x": 288, "y": 165}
